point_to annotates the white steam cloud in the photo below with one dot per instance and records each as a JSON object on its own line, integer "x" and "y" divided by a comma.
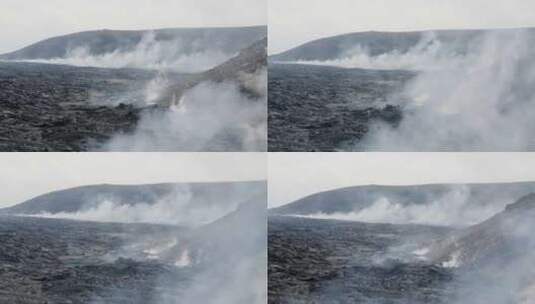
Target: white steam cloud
{"x": 485, "y": 105}
{"x": 208, "y": 117}
{"x": 149, "y": 53}
{"x": 173, "y": 209}
{"x": 429, "y": 54}
{"x": 478, "y": 99}
{"x": 453, "y": 209}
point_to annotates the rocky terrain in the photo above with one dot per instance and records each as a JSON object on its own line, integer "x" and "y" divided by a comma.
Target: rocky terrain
{"x": 318, "y": 108}
{"x": 374, "y": 91}
{"x": 320, "y": 261}
{"x": 59, "y": 261}
{"x": 329, "y": 261}
{"x": 51, "y": 107}
{"x": 62, "y": 108}
{"x": 45, "y": 260}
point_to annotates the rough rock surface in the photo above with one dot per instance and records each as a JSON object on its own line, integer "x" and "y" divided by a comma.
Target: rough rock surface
{"x": 323, "y": 261}
{"x": 47, "y": 107}
{"x": 58, "y": 261}
{"x": 318, "y": 108}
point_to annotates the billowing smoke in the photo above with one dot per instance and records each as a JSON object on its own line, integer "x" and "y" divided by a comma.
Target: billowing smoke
{"x": 219, "y": 258}
{"x": 208, "y": 117}
{"x": 149, "y": 53}
{"x": 455, "y": 208}
{"x": 176, "y": 208}
{"x": 505, "y": 268}
{"x": 229, "y": 257}
{"x": 485, "y": 104}
{"x": 428, "y": 54}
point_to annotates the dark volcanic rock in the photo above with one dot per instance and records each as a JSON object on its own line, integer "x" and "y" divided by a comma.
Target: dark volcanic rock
{"x": 320, "y": 261}
{"x": 318, "y": 108}
{"x": 61, "y": 108}
{"x": 57, "y": 261}
{"x": 46, "y": 107}
{"x": 62, "y": 261}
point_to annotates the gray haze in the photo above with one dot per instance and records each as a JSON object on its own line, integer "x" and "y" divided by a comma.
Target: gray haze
{"x": 24, "y": 22}
{"x": 294, "y": 175}
{"x": 25, "y": 175}
{"x": 298, "y": 21}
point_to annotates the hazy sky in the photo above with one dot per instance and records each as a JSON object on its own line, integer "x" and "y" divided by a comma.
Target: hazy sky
{"x": 25, "y": 175}
{"x": 293, "y": 22}
{"x": 23, "y": 22}
{"x": 295, "y": 175}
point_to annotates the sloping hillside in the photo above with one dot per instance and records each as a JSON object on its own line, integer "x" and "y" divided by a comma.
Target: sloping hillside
{"x": 189, "y": 40}
{"x": 83, "y": 198}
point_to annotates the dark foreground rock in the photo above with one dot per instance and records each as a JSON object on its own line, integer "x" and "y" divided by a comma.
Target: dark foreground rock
{"x": 322, "y": 261}
{"x": 44, "y": 260}
{"x": 318, "y": 108}
{"x": 60, "y": 261}
{"x": 46, "y": 107}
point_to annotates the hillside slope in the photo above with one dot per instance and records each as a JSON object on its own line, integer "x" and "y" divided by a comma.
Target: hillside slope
{"x": 189, "y": 40}
{"x": 86, "y": 197}
{"x": 352, "y": 199}
{"x": 377, "y": 43}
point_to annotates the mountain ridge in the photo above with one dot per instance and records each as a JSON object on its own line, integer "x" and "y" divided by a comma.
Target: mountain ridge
{"x": 227, "y": 39}
{"x": 83, "y": 197}
{"x": 378, "y": 42}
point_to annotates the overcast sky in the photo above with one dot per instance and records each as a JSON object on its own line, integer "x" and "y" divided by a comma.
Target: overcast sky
{"x": 295, "y": 175}
{"x": 293, "y": 22}
{"x": 26, "y": 175}
{"x": 23, "y": 22}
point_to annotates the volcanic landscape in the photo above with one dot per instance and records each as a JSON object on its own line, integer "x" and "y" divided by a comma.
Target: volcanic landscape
{"x": 52, "y": 253}
{"x": 331, "y": 248}
{"x": 404, "y": 91}
{"x": 120, "y": 90}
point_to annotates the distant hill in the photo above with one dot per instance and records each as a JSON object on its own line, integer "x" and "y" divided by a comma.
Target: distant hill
{"x": 376, "y": 43}
{"x": 83, "y": 198}
{"x": 353, "y": 199}
{"x": 190, "y": 40}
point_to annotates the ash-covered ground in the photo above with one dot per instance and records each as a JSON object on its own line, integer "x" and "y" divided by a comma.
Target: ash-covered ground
{"x": 321, "y": 108}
